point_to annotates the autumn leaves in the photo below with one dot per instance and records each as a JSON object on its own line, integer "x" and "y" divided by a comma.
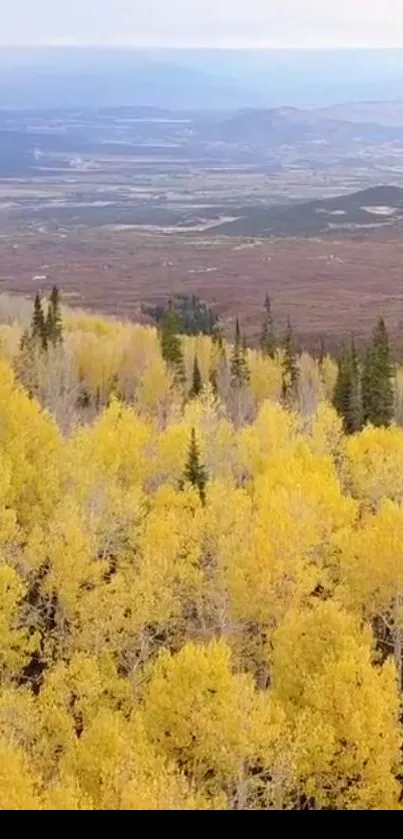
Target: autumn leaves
{"x": 196, "y": 612}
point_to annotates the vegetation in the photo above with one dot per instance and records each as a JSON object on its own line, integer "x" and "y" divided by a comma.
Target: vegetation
{"x": 195, "y": 473}
{"x": 197, "y": 382}
{"x": 54, "y": 327}
{"x": 377, "y": 389}
{"x": 290, "y": 366}
{"x": 347, "y": 397}
{"x": 239, "y": 364}
{"x": 196, "y": 612}
{"x": 170, "y": 343}
{"x": 268, "y": 344}
{"x": 195, "y": 315}
{"x": 39, "y": 332}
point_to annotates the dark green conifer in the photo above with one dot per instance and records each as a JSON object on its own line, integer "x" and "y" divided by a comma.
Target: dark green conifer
{"x": 341, "y": 393}
{"x": 171, "y": 345}
{"x": 195, "y": 472}
{"x": 38, "y": 325}
{"x": 54, "y": 325}
{"x": 322, "y": 351}
{"x": 354, "y": 419}
{"x": 347, "y": 392}
{"x": 217, "y": 336}
{"x": 197, "y": 382}
{"x": 26, "y": 341}
{"x": 267, "y": 337}
{"x": 290, "y": 376}
{"x": 377, "y": 380}
{"x": 239, "y": 364}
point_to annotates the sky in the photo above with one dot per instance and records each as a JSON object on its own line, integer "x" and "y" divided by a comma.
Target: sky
{"x": 201, "y": 23}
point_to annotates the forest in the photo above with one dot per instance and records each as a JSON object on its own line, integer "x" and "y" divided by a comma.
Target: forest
{"x": 201, "y": 567}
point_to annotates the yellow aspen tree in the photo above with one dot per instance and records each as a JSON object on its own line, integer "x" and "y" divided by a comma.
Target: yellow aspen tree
{"x": 344, "y": 710}
{"x": 372, "y": 575}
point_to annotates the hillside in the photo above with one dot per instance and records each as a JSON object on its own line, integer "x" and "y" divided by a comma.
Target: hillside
{"x": 363, "y": 211}
{"x": 286, "y": 126}
{"x": 198, "y": 561}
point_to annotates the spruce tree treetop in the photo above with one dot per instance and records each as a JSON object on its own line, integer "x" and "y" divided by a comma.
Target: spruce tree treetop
{"x": 267, "y": 336}
{"x": 239, "y": 364}
{"x": 322, "y": 351}
{"x": 54, "y": 326}
{"x": 217, "y": 336}
{"x": 377, "y": 381}
{"x": 354, "y": 419}
{"x": 290, "y": 365}
{"x": 38, "y": 325}
{"x": 195, "y": 472}
{"x": 197, "y": 382}
{"x": 347, "y": 392}
{"x": 171, "y": 345}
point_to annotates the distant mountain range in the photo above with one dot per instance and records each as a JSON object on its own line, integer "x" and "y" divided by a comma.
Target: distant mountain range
{"x": 78, "y": 77}
{"x": 366, "y": 211}
{"x": 280, "y": 126}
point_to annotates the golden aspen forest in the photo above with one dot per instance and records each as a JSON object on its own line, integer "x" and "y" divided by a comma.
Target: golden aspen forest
{"x": 201, "y": 571}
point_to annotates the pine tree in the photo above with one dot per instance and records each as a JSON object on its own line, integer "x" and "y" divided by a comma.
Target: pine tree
{"x": 290, "y": 375}
{"x": 195, "y": 472}
{"x": 322, "y": 351}
{"x": 354, "y": 419}
{"x": 218, "y": 357}
{"x": 197, "y": 382}
{"x": 267, "y": 337}
{"x": 170, "y": 344}
{"x": 341, "y": 393}
{"x": 213, "y": 379}
{"x": 54, "y": 326}
{"x": 25, "y": 363}
{"x": 217, "y": 336}
{"x": 377, "y": 387}
{"x": 347, "y": 392}
{"x": 38, "y": 325}
{"x": 239, "y": 364}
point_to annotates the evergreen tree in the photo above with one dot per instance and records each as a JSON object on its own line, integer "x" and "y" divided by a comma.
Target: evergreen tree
{"x": 213, "y": 379}
{"x": 354, "y": 419}
{"x": 218, "y": 357}
{"x": 347, "y": 392}
{"x": 38, "y": 325}
{"x": 239, "y": 364}
{"x": 341, "y": 393}
{"x": 54, "y": 326}
{"x": 322, "y": 351}
{"x": 197, "y": 382}
{"x": 195, "y": 472}
{"x": 25, "y": 363}
{"x": 377, "y": 386}
{"x": 267, "y": 337}
{"x": 217, "y": 336}
{"x": 290, "y": 375}
{"x": 170, "y": 344}
{"x": 26, "y": 341}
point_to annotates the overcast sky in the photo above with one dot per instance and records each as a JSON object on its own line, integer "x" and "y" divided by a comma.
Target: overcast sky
{"x": 308, "y": 23}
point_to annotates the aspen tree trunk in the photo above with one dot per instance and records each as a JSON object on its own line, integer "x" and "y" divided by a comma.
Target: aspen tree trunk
{"x": 397, "y": 639}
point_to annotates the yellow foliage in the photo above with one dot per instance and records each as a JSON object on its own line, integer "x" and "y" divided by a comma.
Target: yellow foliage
{"x": 374, "y": 464}
{"x": 163, "y": 648}
{"x": 30, "y": 446}
{"x": 346, "y": 742}
{"x": 197, "y": 712}
{"x": 17, "y": 787}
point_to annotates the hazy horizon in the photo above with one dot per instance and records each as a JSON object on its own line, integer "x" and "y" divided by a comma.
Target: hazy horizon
{"x": 68, "y": 76}
{"x": 242, "y": 24}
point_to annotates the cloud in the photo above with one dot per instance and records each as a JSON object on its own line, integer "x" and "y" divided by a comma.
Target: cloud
{"x": 307, "y": 23}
